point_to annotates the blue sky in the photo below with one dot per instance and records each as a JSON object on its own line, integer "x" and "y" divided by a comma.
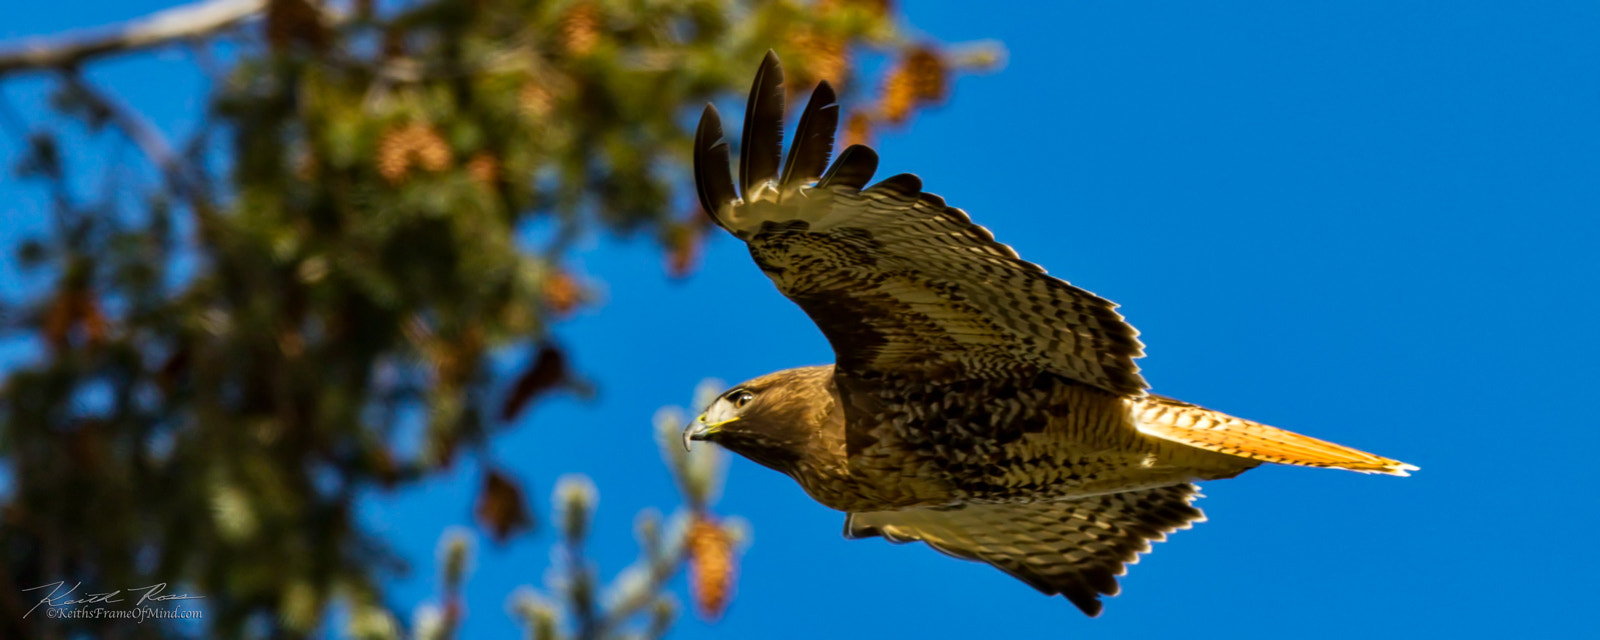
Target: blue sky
{"x": 1373, "y": 222}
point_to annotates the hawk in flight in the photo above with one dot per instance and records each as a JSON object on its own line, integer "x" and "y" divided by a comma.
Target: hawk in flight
{"x": 976, "y": 404}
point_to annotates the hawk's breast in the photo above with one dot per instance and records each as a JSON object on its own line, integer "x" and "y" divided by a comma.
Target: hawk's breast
{"x": 1021, "y": 439}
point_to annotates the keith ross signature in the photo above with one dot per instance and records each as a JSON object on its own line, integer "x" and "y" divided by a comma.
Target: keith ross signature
{"x": 58, "y": 598}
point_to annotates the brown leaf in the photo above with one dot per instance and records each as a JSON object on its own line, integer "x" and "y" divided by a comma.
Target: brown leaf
{"x": 174, "y": 368}
{"x": 920, "y": 78}
{"x": 394, "y": 155}
{"x": 433, "y": 153}
{"x": 291, "y": 343}
{"x": 535, "y": 100}
{"x": 562, "y": 292}
{"x": 548, "y": 370}
{"x": 580, "y": 28}
{"x": 292, "y": 22}
{"x": 484, "y": 169}
{"x": 502, "y": 509}
{"x": 58, "y": 321}
{"x": 712, "y": 567}
{"x": 454, "y": 611}
{"x": 683, "y": 242}
{"x": 857, "y": 129}
{"x": 71, "y": 311}
{"x": 384, "y": 466}
{"x": 412, "y": 145}
{"x": 394, "y": 42}
{"x": 87, "y": 445}
{"x": 822, "y": 57}
{"x": 928, "y": 74}
{"x": 95, "y": 326}
{"x": 457, "y": 360}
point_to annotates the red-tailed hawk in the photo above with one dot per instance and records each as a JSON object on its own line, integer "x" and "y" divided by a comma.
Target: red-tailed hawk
{"x": 976, "y": 404}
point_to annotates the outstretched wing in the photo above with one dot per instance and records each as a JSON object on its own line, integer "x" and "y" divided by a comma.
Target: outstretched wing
{"x": 1075, "y": 548}
{"x": 899, "y": 282}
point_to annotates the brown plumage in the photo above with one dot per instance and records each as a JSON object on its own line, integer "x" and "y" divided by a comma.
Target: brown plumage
{"x": 976, "y": 403}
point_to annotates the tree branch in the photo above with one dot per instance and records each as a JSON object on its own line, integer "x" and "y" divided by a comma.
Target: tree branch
{"x": 662, "y": 571}
{"x": 180, "y": 177}
{"x": 154, "y": 30}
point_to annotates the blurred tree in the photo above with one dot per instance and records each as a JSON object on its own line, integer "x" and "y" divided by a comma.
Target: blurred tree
{"x": 229, "y": 354}
{"x": 635, "y": 604}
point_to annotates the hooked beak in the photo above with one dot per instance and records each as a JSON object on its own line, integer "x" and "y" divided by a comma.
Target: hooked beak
{"x": 702, "y": 430}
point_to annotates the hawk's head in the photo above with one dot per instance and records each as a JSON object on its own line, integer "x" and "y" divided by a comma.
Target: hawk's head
{"x": 775, "y": 420}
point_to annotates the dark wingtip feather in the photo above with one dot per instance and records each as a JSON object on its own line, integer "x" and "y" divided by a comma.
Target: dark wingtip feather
{"x": 712, "y": 177}
{"x": 904, "y": 185}
{"x": 763, "y": 126}
{"x": 813, "y": 140}
{"x": 855, "y": 167}
{"x": 1086, "y": 601}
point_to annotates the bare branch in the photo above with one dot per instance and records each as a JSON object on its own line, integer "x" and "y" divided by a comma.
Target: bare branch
{"x": 157, "y": 29}
{"x": 179, "y": 176}
{"x": 662, "y": 571}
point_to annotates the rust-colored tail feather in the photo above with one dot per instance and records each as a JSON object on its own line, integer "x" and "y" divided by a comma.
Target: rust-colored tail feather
{"x": 1200, "y": 427}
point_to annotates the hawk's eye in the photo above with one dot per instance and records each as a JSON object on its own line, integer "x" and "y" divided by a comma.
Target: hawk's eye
{"x": 740, "y": 398}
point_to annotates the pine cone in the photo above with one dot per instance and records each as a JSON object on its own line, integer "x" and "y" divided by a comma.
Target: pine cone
{"x": 535, "y": 100}
{"x": 412, "y": 145}
{"x": 683, "y": 247}
{"x": 898, "y": 98}
{"x": 562, "y": 292}
{"x": 824, "y": 59}
{"x": 921, "y": 78}
{"x": 928, "y": 75}
{"x": 857, "y": 129}
{"x": 394, "y": 155}
{"x": 580, "y": 29}
{"x": 433, "y": 153}
{"x": 484, "y": 169}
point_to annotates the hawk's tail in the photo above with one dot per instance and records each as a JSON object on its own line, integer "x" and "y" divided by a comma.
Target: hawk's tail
{"x": 1200, "y": 427}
